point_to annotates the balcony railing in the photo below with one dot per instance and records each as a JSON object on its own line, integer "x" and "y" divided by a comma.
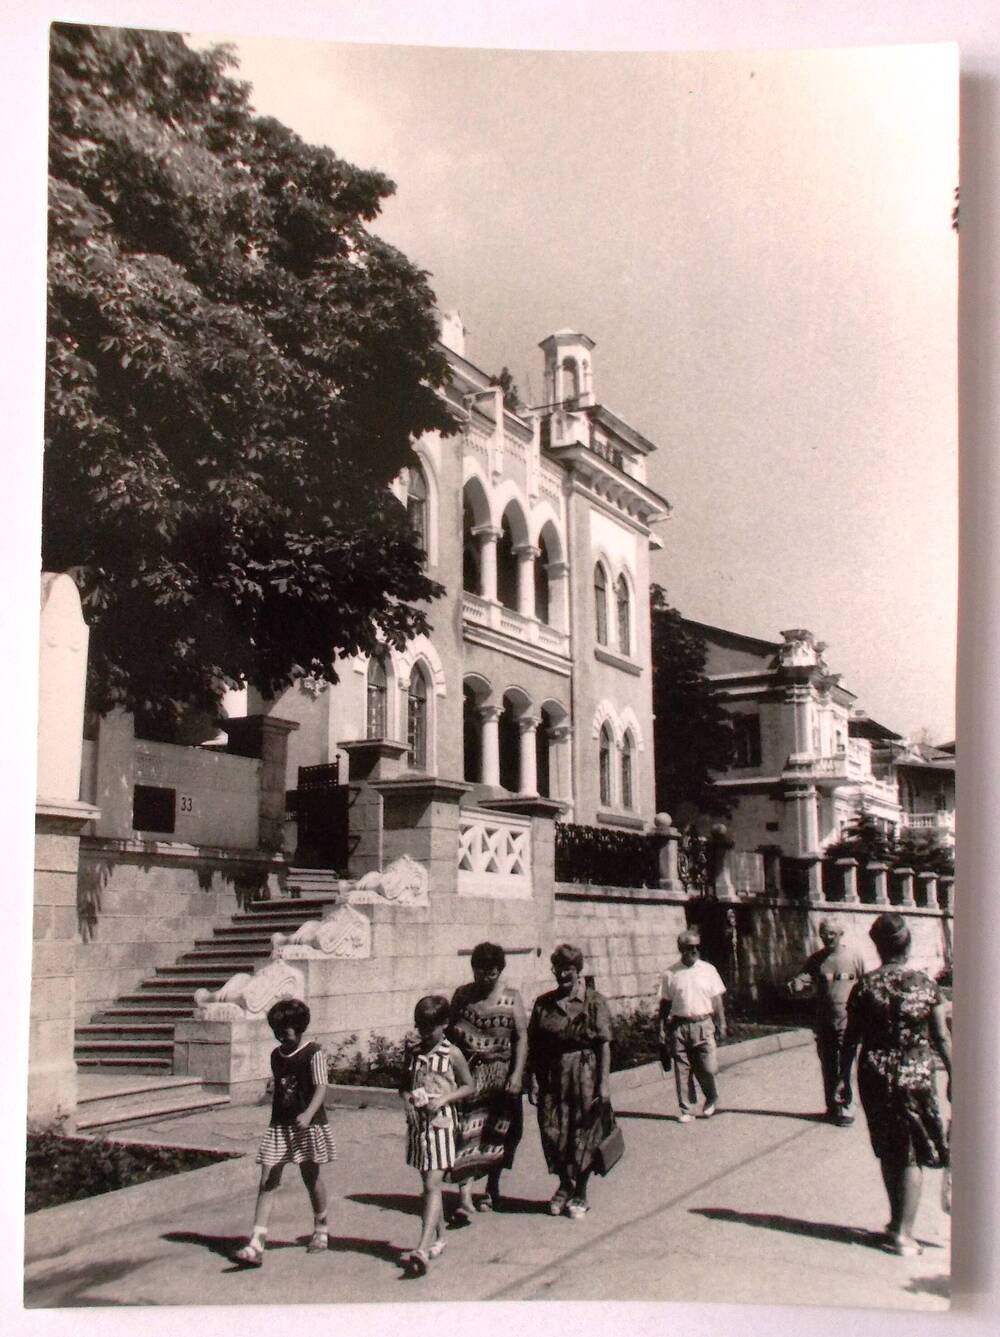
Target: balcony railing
{"x": 480, "y": 612}
{"x": 494, "y": 854}
{"x": 928, "y": 821}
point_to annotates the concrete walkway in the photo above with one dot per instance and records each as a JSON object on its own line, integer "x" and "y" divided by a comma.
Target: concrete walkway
{"x": 763, "y": 1203}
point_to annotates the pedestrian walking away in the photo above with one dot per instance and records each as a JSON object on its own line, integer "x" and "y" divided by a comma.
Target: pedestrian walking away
{"x": 830, "y": 974}
{"x": 897, "y": 1015}
{"x": 488, "y": 1025}
{"x": 299, "y": 1133}
{"x": 436, "y": 1077}
{"x": 692, "y": 1020}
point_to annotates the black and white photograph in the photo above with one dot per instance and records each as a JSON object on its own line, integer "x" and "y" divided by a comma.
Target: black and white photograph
{"x": 495, "y": 818}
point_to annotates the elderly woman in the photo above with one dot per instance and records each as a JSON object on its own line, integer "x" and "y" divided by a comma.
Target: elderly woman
{"x": 897, "y": 1015}
{"x": 488, "y": 1025}
{"x": 569, "y": 1058}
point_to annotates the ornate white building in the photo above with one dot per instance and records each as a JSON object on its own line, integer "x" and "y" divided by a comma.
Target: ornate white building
{"x": 535, "y": 681}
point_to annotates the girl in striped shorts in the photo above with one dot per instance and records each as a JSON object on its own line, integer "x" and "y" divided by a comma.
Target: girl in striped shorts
{"x": 436, "y": 1077}
{"x": 299, "y": 1133}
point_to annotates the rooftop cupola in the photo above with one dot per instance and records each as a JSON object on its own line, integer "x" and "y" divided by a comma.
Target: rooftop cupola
{"x": 568, "y": 369}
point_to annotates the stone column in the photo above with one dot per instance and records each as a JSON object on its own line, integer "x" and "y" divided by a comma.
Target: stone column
{"x": 526, "y": 554}
{"x": 849, "y": 878}
{"x": 946, "y": 893}
{"x": 669, "y": 876}
{"x": 721, "y": 851}
{"x": 803, "y": 799}
{"x": 880, "y": 878}
{"x": 369, "y": 762}
{"x": 558, "y": 573}
{"x": 905, "y": 882}
{"x": 772, "y": 868}
{"x": 488, "y": 537}
{"x": 528, "y": 726}
{"x": 59, "y": 819}
{"x": 928, "y": 883}
{"x": 115, "y": 787}
{"x": 814, "y": 877}
{"x": 489, "y": 717}
{"x": 266, "y": 737}
{"x": 560, "y": 766}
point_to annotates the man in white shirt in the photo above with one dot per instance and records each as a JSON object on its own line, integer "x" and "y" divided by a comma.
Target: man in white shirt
{"x": 692, "y": 1018}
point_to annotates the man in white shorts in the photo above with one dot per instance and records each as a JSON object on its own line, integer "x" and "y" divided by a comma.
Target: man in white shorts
{"x": 692, "y": 1019}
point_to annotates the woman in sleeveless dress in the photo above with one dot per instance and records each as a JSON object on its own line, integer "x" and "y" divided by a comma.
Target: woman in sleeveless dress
{"x": 489, "y": 1027}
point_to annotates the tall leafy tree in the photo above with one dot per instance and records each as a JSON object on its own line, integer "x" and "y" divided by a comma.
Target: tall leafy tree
{"x": 692, "y": 736}
{"x": 236, "y": 370}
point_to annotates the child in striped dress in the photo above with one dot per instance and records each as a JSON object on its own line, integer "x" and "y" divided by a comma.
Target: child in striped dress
{"x": 299, "y": 1133}
{"x": 436, "y": 1078}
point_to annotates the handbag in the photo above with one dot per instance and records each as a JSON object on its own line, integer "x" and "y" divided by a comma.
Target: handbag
{"x": 611, "y": 1147}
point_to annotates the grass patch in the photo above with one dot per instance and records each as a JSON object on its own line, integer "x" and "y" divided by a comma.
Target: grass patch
{"x": 66, "y": 1168}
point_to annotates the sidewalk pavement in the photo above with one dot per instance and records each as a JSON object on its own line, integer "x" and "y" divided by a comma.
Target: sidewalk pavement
{"x": 765, "y": 1202}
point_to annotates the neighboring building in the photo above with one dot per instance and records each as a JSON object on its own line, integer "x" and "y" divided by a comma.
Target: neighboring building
{"x": 805, "y": 759}
{"x": 535, "y": 680}
{"x": 926, "y": 778}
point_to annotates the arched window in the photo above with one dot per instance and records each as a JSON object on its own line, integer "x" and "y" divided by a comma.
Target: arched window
{"x": 376, "y": 727}
{"x": 542, "y": 582}
{"x": 472, "y": 746}
{"x": 510, "y": 747}
{"x": 471, "y": 577}
{"x": 628, "y": 773}
{"x": 604, "y": 763}
{"x": 416, "y": 504}
{"x": 416, "y": 721}
{"x": 624, "y": 616}
{"x": 601, "y": 604}
{"x": 506, "y": 567}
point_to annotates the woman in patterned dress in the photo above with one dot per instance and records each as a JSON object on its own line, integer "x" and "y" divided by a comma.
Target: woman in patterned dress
{"x": 569, "y": 1059}
{"x": 299, "y": 1133}
{"x": 897, "y": 1015}
{"x": 488, "y": 1025}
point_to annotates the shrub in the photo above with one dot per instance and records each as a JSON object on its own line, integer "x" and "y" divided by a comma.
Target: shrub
{"x": 382, "y": 1067}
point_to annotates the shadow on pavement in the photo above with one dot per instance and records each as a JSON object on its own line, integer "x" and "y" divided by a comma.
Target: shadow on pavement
{"x": 939, "y": 1286}
{"x": 70, "y": 1287}
{"x": 223, "y": 1246}
{"x": 381, "y": 1249}
{"x": 721, "y": 1113}
{"x": 793, "y": 1225}
{"x": 390, "y": 1202}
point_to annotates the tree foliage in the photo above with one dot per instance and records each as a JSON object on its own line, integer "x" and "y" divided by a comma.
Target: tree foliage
{"x": 236, "y": 370}
{"x": 692, "y": 737}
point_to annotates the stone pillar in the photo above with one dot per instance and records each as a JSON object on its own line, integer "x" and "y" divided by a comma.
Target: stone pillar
{"x": 115, "y": 787}
{"x": 669, "y": 876}
{"x": 420, "y": 818}
{"x": 849, "y": 879}
{"x": 880, "y": 879}
{"x": 904, "y": 878}
{"x": 772, "y": 868}
{"x": 266, "y": 737}
{"x": 526, "y": 554}
{"x": 59, "y": 819}
{"x": 528, "y": 726}
{"x": 928, "y": 883}
{"x": 946, "y": 893}
{"x": 803, "y": 801}
{"x": 558, "y": 573}
{"x": 489, "y": 717}
{"x": 369, "y": 762}
{"x": 721, "y": 852}
{"x": 813, "y": 865}
{"x": 488, "y": 537}
{"x": 560, "y": 762}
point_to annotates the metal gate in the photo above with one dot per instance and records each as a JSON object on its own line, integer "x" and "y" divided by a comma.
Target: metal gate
{"x": 322, "y": 813}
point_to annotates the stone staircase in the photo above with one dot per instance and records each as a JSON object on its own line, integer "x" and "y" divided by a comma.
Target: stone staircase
{"x": 134, "y": 1038}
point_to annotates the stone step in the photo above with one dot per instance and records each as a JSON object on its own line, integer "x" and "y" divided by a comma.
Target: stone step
{"x": 180, "y": 973}
{"x": 160, "y": 994}
{"x": 282, "y": 905}
{"x": 105, "y": 1100}
{"x": 138, "y": 1014}
{"x": 141, "y": 1030}
{"x": 139, "y": 1047}
{"x": 210, "y": 954}
{"x": 239, "y": 939}
{"x": 127, "y": 1063}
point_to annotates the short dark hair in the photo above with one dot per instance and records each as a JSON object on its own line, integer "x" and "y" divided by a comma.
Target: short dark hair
{"x": 432, "y": 1010}
{"x": 567, "y": 955}
{"x": 890, "y": 935}
{"x": 488, "y": 956}
{"x": 289, "y": 1012}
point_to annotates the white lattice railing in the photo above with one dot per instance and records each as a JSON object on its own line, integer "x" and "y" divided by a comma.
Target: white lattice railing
{"x": 494, "y": 854}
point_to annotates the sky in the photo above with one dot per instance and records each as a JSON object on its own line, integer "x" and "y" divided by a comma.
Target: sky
{"x": 761, "y": 247}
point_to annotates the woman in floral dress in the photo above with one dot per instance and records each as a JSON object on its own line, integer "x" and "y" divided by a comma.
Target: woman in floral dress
{"x": 897, "y": 1015}
{"x": 488, "y": 1026}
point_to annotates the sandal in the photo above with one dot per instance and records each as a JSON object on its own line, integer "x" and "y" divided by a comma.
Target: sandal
{"x": 319, "y": 1242}
{"x": 461, "y": 1216}
{"x": 558, "y": 1201}
{"x": 576, "y": 1210}
{"x": 904, "y": 1246}
{"x": 437, "y": 1249}
{"x": 251, "y": 1255}
{"x": 485, "y": 1204}
{"x": 416, "y": 1262}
